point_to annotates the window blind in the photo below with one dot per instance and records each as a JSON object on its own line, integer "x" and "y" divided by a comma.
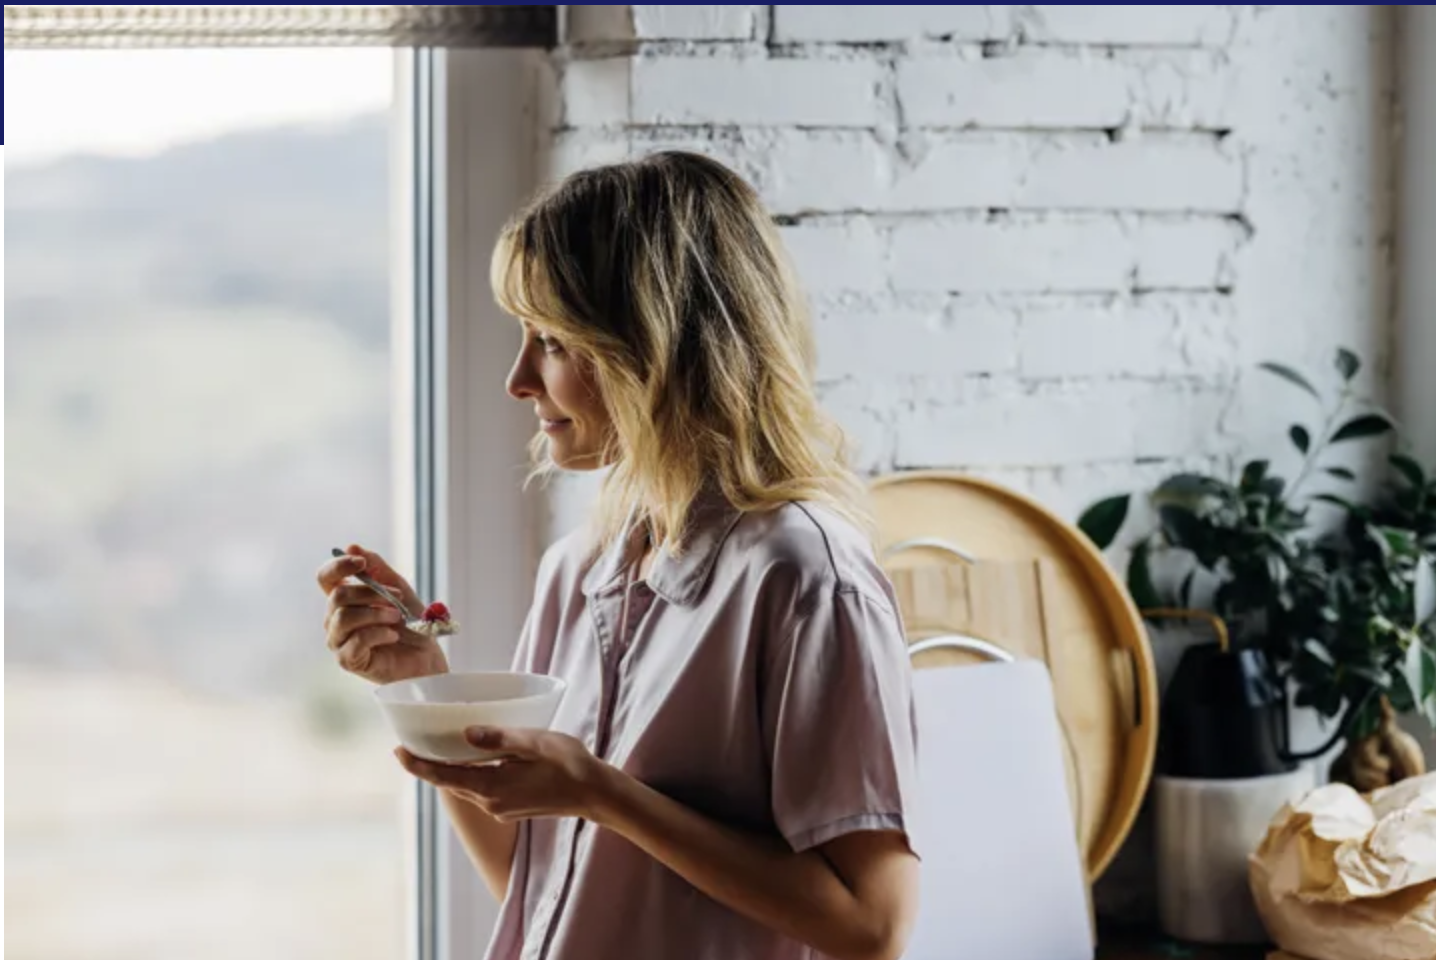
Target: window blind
{"x": 118, "y": 26}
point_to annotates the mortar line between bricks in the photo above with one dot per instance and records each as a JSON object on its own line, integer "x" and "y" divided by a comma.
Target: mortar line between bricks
{"x": 910, "y": 49}
{"x": 1017, "y": 214}
{"x": 1019, "y": 300}
{"x": 1164, "y": 135}
{"x": 962, "y": 47}
{"x": 1012, "y": 216}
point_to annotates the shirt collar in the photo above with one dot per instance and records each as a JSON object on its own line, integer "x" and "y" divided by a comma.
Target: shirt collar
{"x": 677, "y": 579}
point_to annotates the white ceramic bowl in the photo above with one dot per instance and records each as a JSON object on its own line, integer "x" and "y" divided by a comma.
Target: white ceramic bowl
{"x": 429, "y": 714}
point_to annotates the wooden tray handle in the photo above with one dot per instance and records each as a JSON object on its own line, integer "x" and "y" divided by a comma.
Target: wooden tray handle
{"x": 931, "y": 543}
{"x": 1218, "y": 625}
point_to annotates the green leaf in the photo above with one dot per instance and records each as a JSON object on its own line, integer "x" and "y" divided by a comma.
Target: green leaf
{"x": 1254, "y": 473}
{"x": 1290, "y": 376}
{"x": 1428, "y": 674}
{"x": 1418, "y": 669}
{"x": 1341, "y": 473}
{"x": 1276, "y": 571}
{"x": 1182, "y": 527}
{"x": 1365, "y": 718}
{"x": 1410, "y": 469}
{"x": 1402, "y": 697}
{"x": 1425, "y": 590}
{"x": 1347, "y": 364}
{"x": 1401, "y": 542}
{"x": 1315, "y": 649}
{"x": 1375, "y": 676}
{"x": 1366, "y": 425}
{"x": 1189, "y": 488}
{"x": 1377, "y": 536}
{"x": 1102, "y": 521}
{"x": 1139, "y": 578}
{"x": 1301, "y": 438}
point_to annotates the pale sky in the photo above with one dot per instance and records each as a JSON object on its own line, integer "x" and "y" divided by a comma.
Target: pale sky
{"x": 138, "y": 102}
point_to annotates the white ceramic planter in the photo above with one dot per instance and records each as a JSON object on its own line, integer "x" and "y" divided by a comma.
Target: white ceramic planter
{"x": 1206, "y": 829}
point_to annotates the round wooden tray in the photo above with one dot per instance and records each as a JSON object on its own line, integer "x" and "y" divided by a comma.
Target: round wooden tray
{"x": 989, "y": 556}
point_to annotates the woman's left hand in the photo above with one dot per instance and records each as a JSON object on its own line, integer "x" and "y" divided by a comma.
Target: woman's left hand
{"x": 543, "y": 774}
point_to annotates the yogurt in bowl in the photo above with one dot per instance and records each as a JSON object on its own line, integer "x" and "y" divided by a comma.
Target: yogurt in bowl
{"x": 429, "y": 714}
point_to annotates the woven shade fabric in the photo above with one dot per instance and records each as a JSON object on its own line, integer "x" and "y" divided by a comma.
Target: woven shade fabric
{"x": 122, "y": 26}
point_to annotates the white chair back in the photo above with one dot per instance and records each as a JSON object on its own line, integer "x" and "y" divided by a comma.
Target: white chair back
{"x": 1002, "y": 872}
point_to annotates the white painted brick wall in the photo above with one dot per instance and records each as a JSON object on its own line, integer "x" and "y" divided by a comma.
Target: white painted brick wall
{"x": 893, "y": 340}
{"x": 1105, "y": 25}
{"x": 1046, "y": 244}
{"x": 1134, "y": 24}
{"x": 835, "y": 257}
{"x": 1073, "y": 422}
{"x": 1177, "y": 172}
{"x": 1059, "y": 253}
{"x": 722, "y": 90}
{"x": 1065, "y": 89}
{"x": 870, "y": 23}
{"x": 671, "y": 21}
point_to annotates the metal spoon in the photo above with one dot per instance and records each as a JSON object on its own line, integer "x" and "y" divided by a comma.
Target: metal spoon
{"x": 377, "y": 587}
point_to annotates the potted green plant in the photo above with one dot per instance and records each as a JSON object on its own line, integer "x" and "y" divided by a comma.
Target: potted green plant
{"x": 1243, "y": 548}
{"x": 1343, "y": 617}
{"x": 1363, "y": 627}
{"x": 1245, "y": 551}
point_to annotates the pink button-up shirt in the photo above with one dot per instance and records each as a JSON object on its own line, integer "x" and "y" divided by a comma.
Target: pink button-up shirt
{"x": 762, "y": 678}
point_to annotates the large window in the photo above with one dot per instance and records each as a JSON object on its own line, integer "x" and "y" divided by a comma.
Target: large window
{"x": 198, "y": 404}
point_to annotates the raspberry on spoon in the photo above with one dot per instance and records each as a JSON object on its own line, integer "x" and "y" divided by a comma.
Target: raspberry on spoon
{"x": 435, "y": 621}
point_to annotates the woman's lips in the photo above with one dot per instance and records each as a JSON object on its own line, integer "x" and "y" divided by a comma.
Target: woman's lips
{"x": 553, "y": 426}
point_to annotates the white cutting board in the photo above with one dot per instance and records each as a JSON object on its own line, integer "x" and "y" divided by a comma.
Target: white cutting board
{"x": 1002, "y": 875}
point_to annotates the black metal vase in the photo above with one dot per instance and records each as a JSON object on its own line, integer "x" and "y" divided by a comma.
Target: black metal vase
{"x": 1223, "y": 717}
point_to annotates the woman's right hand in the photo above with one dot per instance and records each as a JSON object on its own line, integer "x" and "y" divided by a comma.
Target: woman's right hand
{"x": 365, "y": 632}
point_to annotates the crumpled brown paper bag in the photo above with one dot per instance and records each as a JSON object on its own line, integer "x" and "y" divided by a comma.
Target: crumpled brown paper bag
{"x": 1346, "y": 876}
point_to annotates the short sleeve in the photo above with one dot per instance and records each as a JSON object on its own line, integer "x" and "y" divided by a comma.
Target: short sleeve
{"x": 534, "y": 651}
{"x": 524, "y": 660}
{"x": 839, "y": 722}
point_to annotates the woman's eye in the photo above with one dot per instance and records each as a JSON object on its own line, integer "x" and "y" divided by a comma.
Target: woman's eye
{"x": 549, "y": 344}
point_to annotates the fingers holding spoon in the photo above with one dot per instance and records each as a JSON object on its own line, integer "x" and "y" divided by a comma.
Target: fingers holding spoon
{"x": 435, "y": 621}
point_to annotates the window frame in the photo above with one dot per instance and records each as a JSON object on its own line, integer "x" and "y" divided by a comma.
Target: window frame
{"x": 468, "y": 154}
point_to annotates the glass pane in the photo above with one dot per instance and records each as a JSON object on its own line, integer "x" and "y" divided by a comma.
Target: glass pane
{"x": 197, "y": 396}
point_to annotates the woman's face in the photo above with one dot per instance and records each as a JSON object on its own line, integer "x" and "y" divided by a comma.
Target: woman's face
{"x": 565, "y": 398}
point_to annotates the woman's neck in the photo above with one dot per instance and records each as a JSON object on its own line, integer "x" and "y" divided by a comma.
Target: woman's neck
{"x": 644, "y": 551}
{"x": 646, "y": 558}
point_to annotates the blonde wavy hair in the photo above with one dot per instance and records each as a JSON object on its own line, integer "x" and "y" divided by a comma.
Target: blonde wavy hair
{"x": 667, "y": 275}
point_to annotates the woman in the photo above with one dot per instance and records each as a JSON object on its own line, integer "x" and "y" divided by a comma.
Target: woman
{"x": 731, "y": 771}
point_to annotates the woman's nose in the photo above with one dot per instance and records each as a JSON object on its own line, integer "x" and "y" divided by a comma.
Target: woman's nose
{"x": 523, "y": 382}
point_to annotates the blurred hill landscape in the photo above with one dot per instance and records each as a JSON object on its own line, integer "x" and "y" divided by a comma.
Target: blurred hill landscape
{"x": 197, "y": 407}
{"x": 196, "y": 402}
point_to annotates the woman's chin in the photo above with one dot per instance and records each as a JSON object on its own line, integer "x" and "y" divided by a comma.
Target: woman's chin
{"x": 574, "y": 461}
